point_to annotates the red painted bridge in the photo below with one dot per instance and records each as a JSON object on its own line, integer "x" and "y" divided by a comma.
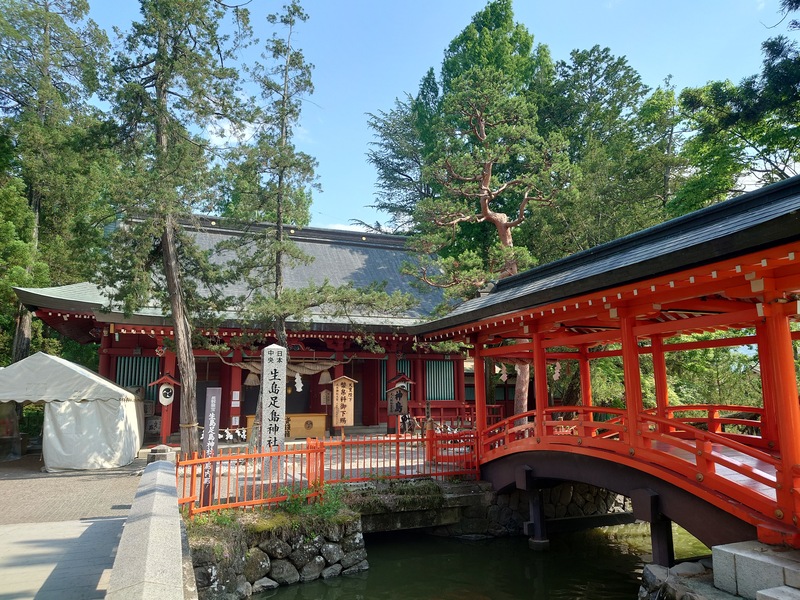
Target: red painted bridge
{"x": 728, "y": 275}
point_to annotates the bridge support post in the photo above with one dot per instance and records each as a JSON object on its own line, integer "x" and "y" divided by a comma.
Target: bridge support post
{"x": 646, "y": 508}
{"x": 535, "y": 529}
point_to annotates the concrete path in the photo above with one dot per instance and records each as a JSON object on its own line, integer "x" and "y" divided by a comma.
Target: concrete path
{"x": 59, "y": 531}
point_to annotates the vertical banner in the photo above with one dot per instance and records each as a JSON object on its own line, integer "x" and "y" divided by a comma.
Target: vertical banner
{"x": 273, "y": 398}
{"x": 210, "y": 443}
{"x": 343, "y": 401}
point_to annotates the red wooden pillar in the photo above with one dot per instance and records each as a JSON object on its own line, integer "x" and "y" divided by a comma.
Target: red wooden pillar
{"x": 660, "y": 376}
{"x": 105, "y": 358}
{"x": 458, "y": 383}
{"x": 586, "y": 376}
{"x": 419, "y": 389}
{"x": 633, "y": 377}
{"x": 480, "y": 390}
{"x": 586, "y": 384}
{"x": 769, "y": 426}
{"x": 392, "y": 422}
{"x": 783, "y": 399}
{"x": 540, "y": 383}
{"x": 236, "y": 398}
{"x": 166, "y": 411}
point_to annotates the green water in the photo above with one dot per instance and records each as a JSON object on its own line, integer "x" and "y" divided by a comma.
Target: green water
{"x": 601, "y": 564}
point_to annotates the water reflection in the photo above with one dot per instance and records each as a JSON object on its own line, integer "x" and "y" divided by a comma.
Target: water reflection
{"x": 601, "y": 564}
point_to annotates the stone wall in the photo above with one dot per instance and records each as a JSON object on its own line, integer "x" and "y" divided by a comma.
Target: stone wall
{"x": 489, "y": 513}
{"x": 247, "y": 562}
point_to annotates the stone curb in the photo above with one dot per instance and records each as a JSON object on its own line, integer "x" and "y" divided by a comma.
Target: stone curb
{"x": 149, "y": 560}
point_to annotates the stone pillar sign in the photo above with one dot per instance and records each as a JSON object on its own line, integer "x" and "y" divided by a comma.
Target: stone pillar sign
{"x": 343, "y": 401}
{"x": 273, "y": 398}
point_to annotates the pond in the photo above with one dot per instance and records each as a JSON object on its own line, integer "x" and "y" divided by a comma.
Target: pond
{"x": 599, "y": 564}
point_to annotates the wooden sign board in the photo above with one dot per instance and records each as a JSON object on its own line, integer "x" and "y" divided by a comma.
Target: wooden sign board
{"x": 343, "y": 401}
{"x": 397, "y": 400}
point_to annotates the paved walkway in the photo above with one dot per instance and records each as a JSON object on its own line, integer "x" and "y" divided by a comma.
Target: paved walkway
{"x": 59, "y": 531}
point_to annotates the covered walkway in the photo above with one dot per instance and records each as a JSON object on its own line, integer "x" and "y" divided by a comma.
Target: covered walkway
{"x": 730, "y": 272}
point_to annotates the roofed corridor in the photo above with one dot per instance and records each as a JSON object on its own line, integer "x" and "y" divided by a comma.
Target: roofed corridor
{"x": 725, "y": 276}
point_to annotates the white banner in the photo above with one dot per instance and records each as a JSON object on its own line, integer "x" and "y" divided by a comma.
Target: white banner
{"x": 273, "y": 397}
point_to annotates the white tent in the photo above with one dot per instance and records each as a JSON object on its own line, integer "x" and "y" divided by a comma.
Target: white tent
{"x": 89, "y": 421}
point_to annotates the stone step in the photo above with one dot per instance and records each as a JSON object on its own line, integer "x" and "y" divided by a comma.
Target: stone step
{"x": 783, "y": 592}
{"x": 746, "y": 568}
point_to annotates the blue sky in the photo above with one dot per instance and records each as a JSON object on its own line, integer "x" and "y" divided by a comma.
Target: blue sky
{"x": 366, "y": 53}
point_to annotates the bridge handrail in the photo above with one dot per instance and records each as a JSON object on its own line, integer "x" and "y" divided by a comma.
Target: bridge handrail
{"x": 658, "y": 443}
{"x": 700, "y": 435}
{"x": 759, "y": 490}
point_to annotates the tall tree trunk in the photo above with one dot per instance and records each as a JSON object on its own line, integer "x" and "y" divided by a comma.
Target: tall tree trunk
{"x": 184, "y": 354}
{"x": 190, "y": 439}
{"x": 22, "y": 334}
{"x": 24, "y": 321}
{"x": 521, "y": 388}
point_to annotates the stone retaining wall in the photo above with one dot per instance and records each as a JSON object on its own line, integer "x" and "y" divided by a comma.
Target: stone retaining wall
{"x": 251, "y": 563}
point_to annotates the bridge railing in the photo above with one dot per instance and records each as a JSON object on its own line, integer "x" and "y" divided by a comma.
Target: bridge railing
{"x": 692, "y": 446}
{"x": 740, "y": 423}
{"x": 718, "y": 461}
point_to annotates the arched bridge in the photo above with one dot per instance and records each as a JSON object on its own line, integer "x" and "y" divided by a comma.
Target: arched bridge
{"x": 684, "y": 467}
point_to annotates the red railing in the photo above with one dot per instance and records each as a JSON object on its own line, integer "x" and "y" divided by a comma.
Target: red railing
{"x": 244, "y": 480}
{"x": 236, "y": 478}
{"x": 691, "y": 448}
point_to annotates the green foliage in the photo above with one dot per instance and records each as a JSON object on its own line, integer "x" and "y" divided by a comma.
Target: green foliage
{"x": 745, "y": 134}
{"x": 32, "y": 420}
{"x": 314, "y": 503}
{"x": 723, "y": 375}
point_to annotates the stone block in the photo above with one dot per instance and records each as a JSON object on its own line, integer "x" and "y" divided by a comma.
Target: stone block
{"x": 753, "y": 575}
{"x": 757, "y": 567}
{"x": 783, "y": 592}
{"x": 331, "y": 572}
{"x": 312, "y": 569}
{"x": 332, "y": 553}
{"x": 264, "y": 584}
{"x": 357, "y": 568}
{"x": 724, "y": 568}
{"x": 161, "y": 452}
{"x": 353, "y": 542}
{"x": 276, "y": 548}
{"x": 256, "y": 564}
{"x": 304, "y": 554}
{"x": 353, "y": 558}
{"x": 284, "y": 572}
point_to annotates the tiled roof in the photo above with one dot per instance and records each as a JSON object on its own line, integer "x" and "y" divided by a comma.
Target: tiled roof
{"x": 340, "y": 257}
{"x": 766, "y": 217}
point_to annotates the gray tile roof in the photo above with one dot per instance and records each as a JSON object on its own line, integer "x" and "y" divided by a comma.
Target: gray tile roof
{"x": 340, "y": 257}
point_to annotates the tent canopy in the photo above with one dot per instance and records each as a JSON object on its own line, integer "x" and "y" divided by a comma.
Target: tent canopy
{"x": 45, "y": 378}
{"x": 89, "y": 422}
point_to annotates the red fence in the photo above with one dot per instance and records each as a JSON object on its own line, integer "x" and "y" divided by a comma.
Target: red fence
{"x": 238, "y": 479}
